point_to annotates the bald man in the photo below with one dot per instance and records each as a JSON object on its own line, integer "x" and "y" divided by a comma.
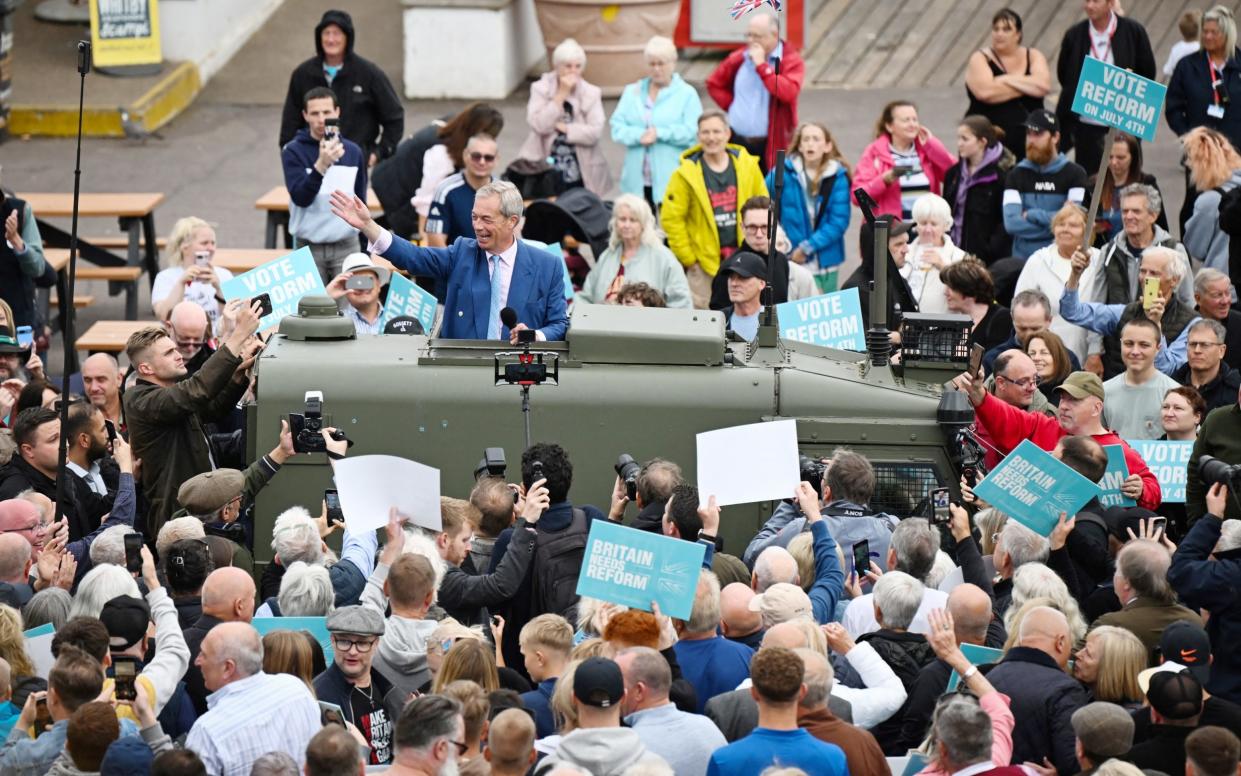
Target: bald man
{"x": 860, "y": 747}
{"x": 27, "y": 516}
{"x": 736, "y": 620}
{"x": 101, "y": 378}
{"x": 190, "y": 330}
{"x": 1148, "y": 603}
{"x": 227, "y": 597}
{"x": 1043, "y": 697}
{"x": 260, "y": 713}
{"x": 970, "y": 607}
{"x": 510, "y": 743}
{"x": 774, "y": 565}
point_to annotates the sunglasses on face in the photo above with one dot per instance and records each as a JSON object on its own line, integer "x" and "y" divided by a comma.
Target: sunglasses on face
{"x": 480, "y": 157}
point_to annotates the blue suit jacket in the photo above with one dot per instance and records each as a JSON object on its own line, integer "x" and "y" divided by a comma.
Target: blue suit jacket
{"x": 536, "y": 291}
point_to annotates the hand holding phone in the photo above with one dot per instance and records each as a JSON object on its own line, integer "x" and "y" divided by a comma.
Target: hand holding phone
{"x": 334, "y": 514}
{"x": 133, "y": 553}
{"x": 125, "y": 670}
{"x": 1150, "y": 292}
{"x": 976, "y": 354}
{"x": 861, "y": 559}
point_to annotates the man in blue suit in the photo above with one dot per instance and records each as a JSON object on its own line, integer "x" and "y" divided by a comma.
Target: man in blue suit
{"x": 485, "y": 274}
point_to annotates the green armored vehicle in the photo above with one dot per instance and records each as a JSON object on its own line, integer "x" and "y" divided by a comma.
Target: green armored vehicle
{"x": 631, "y": 380}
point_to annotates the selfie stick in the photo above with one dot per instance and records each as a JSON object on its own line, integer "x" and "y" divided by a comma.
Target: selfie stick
{"x": 66, "y": 303}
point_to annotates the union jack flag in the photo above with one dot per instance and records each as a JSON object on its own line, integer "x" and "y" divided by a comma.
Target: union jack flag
{"x": 743, "y": 7}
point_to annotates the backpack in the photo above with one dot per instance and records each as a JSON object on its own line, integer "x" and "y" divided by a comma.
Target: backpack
{"x": 1230, "y": 210}
{"x": 557, "y": 562}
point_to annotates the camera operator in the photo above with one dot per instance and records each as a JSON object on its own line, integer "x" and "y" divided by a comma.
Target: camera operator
{"x": 166, "y": 413}
{"x": 498, "y": 505}
{"x": 653, "y": 485}
{"x": 848, "y": 485}
{"x": 1205, "y": 579}
{"x": 1219, "y": 436}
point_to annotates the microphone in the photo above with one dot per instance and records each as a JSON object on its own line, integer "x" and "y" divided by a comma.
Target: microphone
{"x": 508, "y": 316}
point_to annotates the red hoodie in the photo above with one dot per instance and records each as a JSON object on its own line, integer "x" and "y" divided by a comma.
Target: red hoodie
{"x": 1007, "y": 426}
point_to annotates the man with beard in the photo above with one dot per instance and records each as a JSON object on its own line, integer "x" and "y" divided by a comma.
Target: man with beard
{"x": 1039, "y": 185}
{"x": 101, "y": 379}
{"x": 93, "y": 484}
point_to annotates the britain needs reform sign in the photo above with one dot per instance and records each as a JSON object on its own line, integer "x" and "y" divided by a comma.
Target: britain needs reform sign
{"x": 1118, "y": 98}
{"x": 632, "y": 568}
{"x": 286, "y": 280}
{"x": 1033, "y": 487}
{"x": 831, "y": 320}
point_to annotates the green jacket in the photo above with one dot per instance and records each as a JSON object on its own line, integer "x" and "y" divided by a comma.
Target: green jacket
{"x": 166, "y": 429}
{"x": 257, "y": 475}
{"x": 1220, "y": 436}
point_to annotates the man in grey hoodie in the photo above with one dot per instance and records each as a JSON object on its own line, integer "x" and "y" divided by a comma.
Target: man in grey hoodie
{"x": 599, "y": 744}
{"x": 407, "y": 581}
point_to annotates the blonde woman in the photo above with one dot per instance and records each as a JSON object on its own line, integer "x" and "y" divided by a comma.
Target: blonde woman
{"x": 1213, "y": 164}
{"x": 12, "y": 643}
{"x": 188, "y": 273}
{"x": 635, "y": 254}
{"x": 1109, "y": 663}
{"x": 1047, "y": 270}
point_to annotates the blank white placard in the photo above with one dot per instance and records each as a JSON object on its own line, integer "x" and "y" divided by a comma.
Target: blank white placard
{"x": 370, "y": 485}
{"x": 744, "y": 464}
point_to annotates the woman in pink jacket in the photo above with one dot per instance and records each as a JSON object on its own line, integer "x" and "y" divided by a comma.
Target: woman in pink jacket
{"x": 566, "y": 119}
{"x": 904, "y": 162}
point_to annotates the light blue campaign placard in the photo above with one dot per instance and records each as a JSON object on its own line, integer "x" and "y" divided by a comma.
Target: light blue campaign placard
{"x": 632, "y": 568}
{"x": 1118, "y": 98}
{"x": 831, "y": 320}
{"x": 406, "y": 298}
{"x": 1114, "y": 477}
{"x": 1033, "y": 488}
{"x": 286, "y": 279}
{"x": 1169, "y": 461}
{"x": 42, "y": 630}
{"x": 978, "y": 656}
{"x": 316, "y": 625}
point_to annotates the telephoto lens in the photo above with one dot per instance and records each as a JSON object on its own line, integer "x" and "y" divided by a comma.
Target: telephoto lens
{"x": 627, "y": 469}
{"x": 1213, "y": 470}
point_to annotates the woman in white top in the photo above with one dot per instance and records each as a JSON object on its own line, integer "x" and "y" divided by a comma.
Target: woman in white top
{"x": 931, "y": 252}
{"x": 189, "y": 274}
{"x": 1048, "y": 269}
{"x": 635, "y": 254}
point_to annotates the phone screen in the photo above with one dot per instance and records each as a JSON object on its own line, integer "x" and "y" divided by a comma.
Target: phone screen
{"x": 264, "y": 301}
{"x": 939, "y": 501}
{"x": 976, "y": 354}
{"x": 334, "y": 513}
{"x": 861, "y": 557}
{"x": 25, "y": 336}
{"x": 125, "y": 672}
{"x": 1159, "y": 524}
{"x": 111, "y": 428}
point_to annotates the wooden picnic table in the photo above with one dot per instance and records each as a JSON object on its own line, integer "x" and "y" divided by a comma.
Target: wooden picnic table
{"x": 276, "y": 203}
{"x": 239, "y": 260}
{"x": 109, "y": 336}
{"x": 134, "y": 212}
{"x": 122, "y": 278}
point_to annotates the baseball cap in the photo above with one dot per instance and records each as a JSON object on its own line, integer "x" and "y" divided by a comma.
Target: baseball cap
{"x": 782, "y": 602}
{"x": 1144, "y": 677}
{"x": 126, "y": 619}
{"x": 1188, "y": 645}
{"x": 598, "y": 682}
{"x": 1079, "y": 385}
{"x": 746, "y": 264}
{"x": 404, "y": 324}
{"x": 1104, "y": 729}
{"x": 357, "y": 620}
{"x": 1042, "y": 120}
{"x": 362, "y": 262}
{"x": 204, "y": 493}
{"x": 1175, "y": 695}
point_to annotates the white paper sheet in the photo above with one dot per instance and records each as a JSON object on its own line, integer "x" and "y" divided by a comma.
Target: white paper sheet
{"x": 371, "y": 484}
{"x": 39, "y": 649}
{"x": 744, "y": 464}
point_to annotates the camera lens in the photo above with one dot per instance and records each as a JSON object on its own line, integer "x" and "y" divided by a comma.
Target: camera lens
{"x": 1213, "y": 471}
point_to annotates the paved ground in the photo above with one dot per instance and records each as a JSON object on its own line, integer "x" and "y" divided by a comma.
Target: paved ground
{"x": 220, "y": 155}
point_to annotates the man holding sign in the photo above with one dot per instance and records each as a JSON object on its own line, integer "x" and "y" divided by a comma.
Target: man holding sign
{"x": 1080, "y": 412}
{"x": 166, "y": 414}
{"x": 485, "y": 275}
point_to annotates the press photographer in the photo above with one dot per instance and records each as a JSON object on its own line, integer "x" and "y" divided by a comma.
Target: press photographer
{"x": 1219, "y": 436}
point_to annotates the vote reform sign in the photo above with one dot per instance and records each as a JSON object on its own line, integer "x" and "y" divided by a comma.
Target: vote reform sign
{"x": 286, "y": 279}
{"x": 831, "y": 320}
{"x": 1033, "y": 488}
{"x": 406, "y": 298}
{"x": 1119, "y": 98}
{"x": 632, "y": 568}
{"x": 1169, "y": 460}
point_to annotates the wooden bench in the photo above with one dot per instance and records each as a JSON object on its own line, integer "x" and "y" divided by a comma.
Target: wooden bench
{"x": 79, "y": 301}
{"x": 239, "y": 260}
{"x": 276, "y": 204}
{"x": 119, "y": 279}
{"x": 134, "y": 212}
{"x": 109, "y": 336}
{"x": 120, "y": 241}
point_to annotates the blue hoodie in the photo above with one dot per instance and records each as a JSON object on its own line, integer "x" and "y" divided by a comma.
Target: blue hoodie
{"x": 310, "y": 211}
{"x": 1033, "y": 194}
{"x": 817, "y": 227}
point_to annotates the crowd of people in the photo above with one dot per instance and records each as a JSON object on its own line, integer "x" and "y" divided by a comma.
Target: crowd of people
{"x": 961, "y": 642}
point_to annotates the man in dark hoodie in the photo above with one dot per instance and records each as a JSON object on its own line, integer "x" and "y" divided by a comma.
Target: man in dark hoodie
{"x": 371, "y": 112}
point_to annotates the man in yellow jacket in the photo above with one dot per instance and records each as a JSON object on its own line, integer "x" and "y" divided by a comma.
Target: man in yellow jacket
{"x": 701, "y": 212}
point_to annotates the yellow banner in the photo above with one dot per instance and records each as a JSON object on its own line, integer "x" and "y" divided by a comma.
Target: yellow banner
{"x": 124, "y": 32}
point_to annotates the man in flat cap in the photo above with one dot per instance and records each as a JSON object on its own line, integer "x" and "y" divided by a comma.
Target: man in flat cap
{"x": 368, "y": 700}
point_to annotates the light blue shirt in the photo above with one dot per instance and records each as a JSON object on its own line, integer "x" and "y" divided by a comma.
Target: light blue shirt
{"x": 746, "y": 326}
{"x": 751, "y": 106}
{"x": 685, "y": 740}
{"x": 360, "y": 324}
{"x": 250, "y": 717}
{"x": 1104, "y": 318}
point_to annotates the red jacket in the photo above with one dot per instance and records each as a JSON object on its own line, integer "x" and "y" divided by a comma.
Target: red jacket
{"x": 785, "y": 88}
{"x": 1008, "y": 425}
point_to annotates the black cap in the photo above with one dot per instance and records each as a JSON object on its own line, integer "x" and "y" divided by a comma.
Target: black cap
{"x": 598, "y": 682}
{"x": 1042, "y": 120}
{"x": 746, "y": 264}
{"x": 126, "y": 619}
{"x": 1188, "y": 644}
{"x": 403, "y": 324}
{"x": 1175, "y": 695}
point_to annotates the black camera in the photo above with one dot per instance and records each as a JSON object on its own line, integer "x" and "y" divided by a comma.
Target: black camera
{"x": 492, "y": 464}
{"x": 812, "y": 470}
{"x": 306, "y": 428}
{"x": 627, "y": 469}
{"x": 1213, "y": 470}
